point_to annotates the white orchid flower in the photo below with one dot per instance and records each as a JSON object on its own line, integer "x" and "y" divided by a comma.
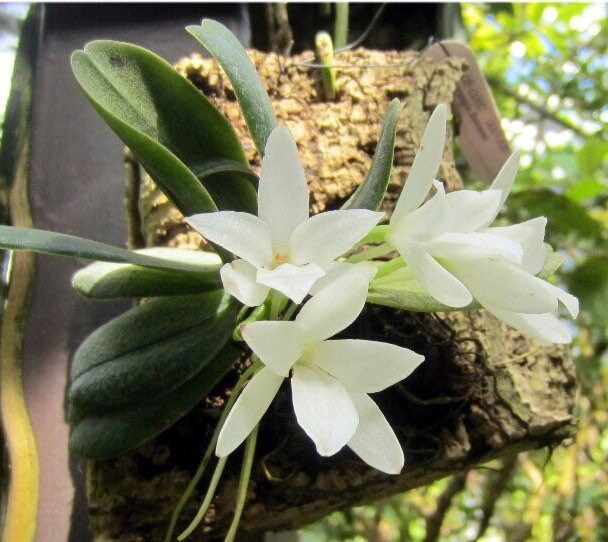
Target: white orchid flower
{"x": 330, "y": 379}
{"x": 451, "y": 250}
{"x": 282, "y": 248}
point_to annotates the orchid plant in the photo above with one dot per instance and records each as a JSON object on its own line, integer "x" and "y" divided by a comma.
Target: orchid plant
{"x": 279, "y": 280}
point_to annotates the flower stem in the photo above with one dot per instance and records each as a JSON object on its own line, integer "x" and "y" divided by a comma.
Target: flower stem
{"x": 209, "y": 451}
{"x": 259, "y": 313}
{"x": 289, "y": 312}
{"x": 217, "y": 474}
{"x": 370, "y": 253}
{"x": 243, "y": 484}
{"x": 277, "y": 303}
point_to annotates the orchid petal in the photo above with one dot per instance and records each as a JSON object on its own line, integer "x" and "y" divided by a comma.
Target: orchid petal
{"x": 504, "y": 285}
{"x": 324, "y": 409}
{"x": 365, "y": 366}
{"x": 426, "y": 222}
{"x": 474, "y": 246}
{"x": 530, "y": 235}
{"x": 336, "y": 306}
{"x": 336, "y": 270}
{"x": 240, "y": 233}
{"x": 469, "y": 210}
{"x": 546, "y": 326}
{"x": 324, "y": 237}
{"x": 282, "y": 188}
{"x": 375, "y": 441}
{"x": 278, "y": 344}
{"x": 505, "y": 178}
{"x": 294, "y": 281}
{"x": 425, "y": 166}
{"x": 439, "y": 282}
{"x": 238, "y": 278}
{"x": 248, "y": 410}
{"x": 568, "y": 300}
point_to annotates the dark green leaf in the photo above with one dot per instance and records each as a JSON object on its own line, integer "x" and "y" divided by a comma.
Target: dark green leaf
{"x": 168, "y": 124}
{"x": 112, "y": 433}
{"x": 61, "y": 244}
{"x": 104, "y": 280}
{"x": 248, "y": 87}
{"x": 371, "y": 193}
{"x": 217, "y": 175}
{"x": 150, "y": 350}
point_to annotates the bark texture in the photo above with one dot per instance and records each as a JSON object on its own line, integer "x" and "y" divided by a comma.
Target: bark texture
{"x": 484, "y": 391}
{"x": 336, "y": 139}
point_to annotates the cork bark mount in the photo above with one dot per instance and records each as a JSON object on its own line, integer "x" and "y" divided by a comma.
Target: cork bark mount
{"x": 484, "y": 391}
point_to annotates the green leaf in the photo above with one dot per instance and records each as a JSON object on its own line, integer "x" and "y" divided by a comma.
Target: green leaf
{"x": 105, "y": 280}
{"x": 248, "y": 87}
{"x": 401, "y": 290}
{"x": 592, "y": 156}
{"x": 371, "y": 193}
{"x": 150, "y": 350}
{"x": 61, "y": 244}
{"x": 216, "y": 175}
{"x": 112, "y": 433}
{"x": 168, "y": 124}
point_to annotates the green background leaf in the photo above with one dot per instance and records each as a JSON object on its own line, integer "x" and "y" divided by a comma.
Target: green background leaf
{"x": 589, "y": 282}
{"x": 566, "y": 217}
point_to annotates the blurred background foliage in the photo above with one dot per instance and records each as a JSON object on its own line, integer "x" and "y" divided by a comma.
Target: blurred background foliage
{"x": 547, "y": 65}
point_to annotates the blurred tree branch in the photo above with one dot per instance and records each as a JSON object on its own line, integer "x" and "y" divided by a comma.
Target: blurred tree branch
{"x": 434, "y": 521}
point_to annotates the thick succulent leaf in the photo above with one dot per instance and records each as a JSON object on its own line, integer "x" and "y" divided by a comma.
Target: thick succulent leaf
{"x": 105, "y": 280}
{"x": 61, "y": 244}
{"x": 168, "y": 124}
{"x": 248, "y": 87}
{"x": 402, "y": 291}
{"x": 112, "y": 433}
{"x": 222, "y": 177}
{"x": 150, "y": 350}
{"x": 371, "y": 193}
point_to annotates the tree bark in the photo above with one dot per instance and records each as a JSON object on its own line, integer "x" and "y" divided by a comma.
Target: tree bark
{"x": 484, "y": 391}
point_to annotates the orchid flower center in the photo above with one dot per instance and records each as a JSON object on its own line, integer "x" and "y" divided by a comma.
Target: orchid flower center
{"x": 281, "y": 258}
{"x": 307, "y": 356}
